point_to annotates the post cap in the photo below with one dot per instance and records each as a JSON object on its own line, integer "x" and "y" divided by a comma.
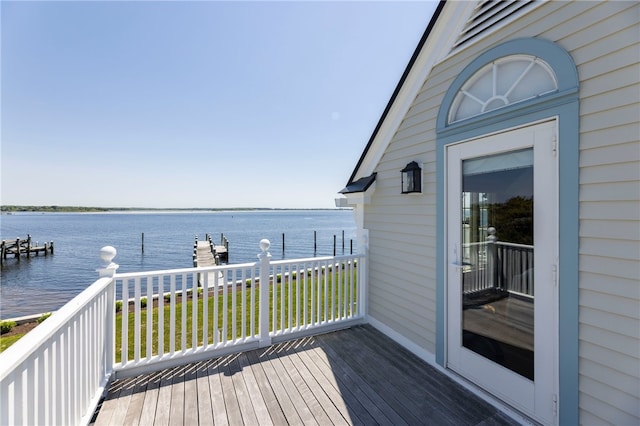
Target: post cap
{"x": 107, "y": 254}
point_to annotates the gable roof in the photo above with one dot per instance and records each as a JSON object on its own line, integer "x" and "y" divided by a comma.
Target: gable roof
{"x": 396, "y": 92}
{"x": 453, "y": 25}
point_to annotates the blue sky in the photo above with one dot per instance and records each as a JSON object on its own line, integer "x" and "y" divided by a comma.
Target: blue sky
{"x": 195, "y": 104}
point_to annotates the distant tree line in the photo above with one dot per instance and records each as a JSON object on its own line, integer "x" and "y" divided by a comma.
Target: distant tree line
{"x": 51, "y": 209}
{"x": 75, "y": 209}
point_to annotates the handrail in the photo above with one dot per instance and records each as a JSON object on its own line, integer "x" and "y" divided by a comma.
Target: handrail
{"x": 24, "y": 347}
{"x": 38, "y": 383}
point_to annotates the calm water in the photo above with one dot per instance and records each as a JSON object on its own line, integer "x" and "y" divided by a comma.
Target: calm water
{"x": 42, "y": 284}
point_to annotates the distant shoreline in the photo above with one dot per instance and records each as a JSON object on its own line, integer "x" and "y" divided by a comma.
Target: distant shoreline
{"x": 79, "y": 209}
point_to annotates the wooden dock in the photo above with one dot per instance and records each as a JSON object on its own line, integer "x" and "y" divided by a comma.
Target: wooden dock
{"x": 23, "y": 247}
{"x": 206, "y": 253}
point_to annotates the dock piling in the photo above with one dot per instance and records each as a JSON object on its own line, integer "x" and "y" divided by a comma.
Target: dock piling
{"x": 25, "y": 247}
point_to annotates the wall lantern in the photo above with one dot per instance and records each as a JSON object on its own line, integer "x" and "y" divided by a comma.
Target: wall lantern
{"x": 411, "y": 178}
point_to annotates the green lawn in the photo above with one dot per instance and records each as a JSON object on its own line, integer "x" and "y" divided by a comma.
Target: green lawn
{"x": 5, "y": 342}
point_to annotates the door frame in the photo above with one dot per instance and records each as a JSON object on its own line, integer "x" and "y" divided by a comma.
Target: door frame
{"x": 535, "y": 399}
{"x": 564, "y": 105}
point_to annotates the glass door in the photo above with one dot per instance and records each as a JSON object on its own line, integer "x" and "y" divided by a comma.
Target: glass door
{"x": 502, "y": 236}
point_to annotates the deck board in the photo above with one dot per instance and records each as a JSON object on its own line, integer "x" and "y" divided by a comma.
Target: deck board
{"x": 216, "y": 394}
{"x": 205, "y": 408}
{"x": 150, "y": 401}
{"x": 269, "y": 398}
{"x": 356, "y": 377}
{"x": 176, "y": 409}
{"x": 230, "y": 397}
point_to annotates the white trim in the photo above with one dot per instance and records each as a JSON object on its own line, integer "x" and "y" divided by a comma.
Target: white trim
{"x": 527, "y": 396}
{"x": 447, "y": 28}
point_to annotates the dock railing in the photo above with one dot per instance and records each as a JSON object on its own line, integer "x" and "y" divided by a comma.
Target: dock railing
{"x": 56, "y": 374}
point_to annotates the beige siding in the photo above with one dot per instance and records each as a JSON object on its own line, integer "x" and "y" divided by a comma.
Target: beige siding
{"x": 608, "y": 64}
{"x": 603, "y": 39}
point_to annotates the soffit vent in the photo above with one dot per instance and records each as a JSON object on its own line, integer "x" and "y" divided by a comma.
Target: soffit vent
{"x": 487, "y": 15}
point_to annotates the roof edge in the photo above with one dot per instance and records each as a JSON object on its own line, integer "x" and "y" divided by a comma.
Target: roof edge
{"x": 403, "y": 78}
{"x": 361, "y": 185}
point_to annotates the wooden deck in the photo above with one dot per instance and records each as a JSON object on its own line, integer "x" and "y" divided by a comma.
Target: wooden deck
{"x": 356, "y": 376}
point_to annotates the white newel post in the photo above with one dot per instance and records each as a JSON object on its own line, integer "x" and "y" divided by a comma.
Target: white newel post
{"x": 265, "y": 259}
{"x": 108, "y": 270}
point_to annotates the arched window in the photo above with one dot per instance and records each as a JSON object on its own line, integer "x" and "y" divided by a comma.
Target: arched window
{"x": 502, "y": 82}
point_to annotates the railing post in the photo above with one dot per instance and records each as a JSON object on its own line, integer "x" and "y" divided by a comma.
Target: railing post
{"x": 363, "y": 279}
{"x": 263, "y": 324}
{"x": 492, "y": 257}
{"x": 108, "y": 270}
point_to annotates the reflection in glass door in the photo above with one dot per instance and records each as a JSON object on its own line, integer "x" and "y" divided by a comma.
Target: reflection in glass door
{"x": 501, "y": 200}
{"x": 497, "y": 258}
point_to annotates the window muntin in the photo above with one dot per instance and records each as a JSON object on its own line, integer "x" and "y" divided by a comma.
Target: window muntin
{"x": 503, "y": 82}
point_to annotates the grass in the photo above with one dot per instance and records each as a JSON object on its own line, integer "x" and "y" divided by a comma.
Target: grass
{"x": 288, "y": 313}
{"x": 7, "y": 341}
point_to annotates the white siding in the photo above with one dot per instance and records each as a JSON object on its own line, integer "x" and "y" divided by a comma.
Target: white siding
{"x": 603, "y": 38}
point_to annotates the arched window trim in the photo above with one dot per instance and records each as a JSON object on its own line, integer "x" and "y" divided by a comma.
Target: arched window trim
{"x": 556, "y": 59}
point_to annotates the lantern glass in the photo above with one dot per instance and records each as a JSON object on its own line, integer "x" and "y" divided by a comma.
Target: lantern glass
{"x": 411, "y": 178}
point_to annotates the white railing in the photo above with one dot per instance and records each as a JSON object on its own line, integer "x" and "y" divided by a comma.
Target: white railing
{"x": 498, "y": 265}
{"x": 56, "y": 374}
{"x": 160, "y": 326}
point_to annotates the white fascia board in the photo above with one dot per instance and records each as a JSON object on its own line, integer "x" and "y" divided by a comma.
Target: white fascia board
{"x": 437, "y": 46}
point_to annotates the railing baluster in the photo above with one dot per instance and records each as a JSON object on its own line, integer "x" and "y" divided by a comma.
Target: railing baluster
{"x": 136, "y": 320}
{"x": 205, "y": 309}
{"x": 149, "y": 317}
{"x": 194, "y": 310}
{"x": 290, "y": 296}
{"x": 282, "y": 300}
{"x": 216, "y": 333}
{"x": 225, "y": 311}
{"x": 244, "y": 304}
{"x": 183, "y": 309}
{"x": 161, "y": 315}
{"x": 298, "y": 296}
{"x": 172, "y": 315}
{"x": 234, "y": 304}
{"x": 252, "y": 306}
{"x": 318, "y": 290}
{"x": 326, "y": 291}
{"x": 341, "y": 313}
{"x": 124, "y": 318}
{"x": 303, "y": 294}
{"x": 273, "y": 283}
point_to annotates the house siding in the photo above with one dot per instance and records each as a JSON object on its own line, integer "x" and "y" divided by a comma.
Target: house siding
{"x": 603, "y": 40}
